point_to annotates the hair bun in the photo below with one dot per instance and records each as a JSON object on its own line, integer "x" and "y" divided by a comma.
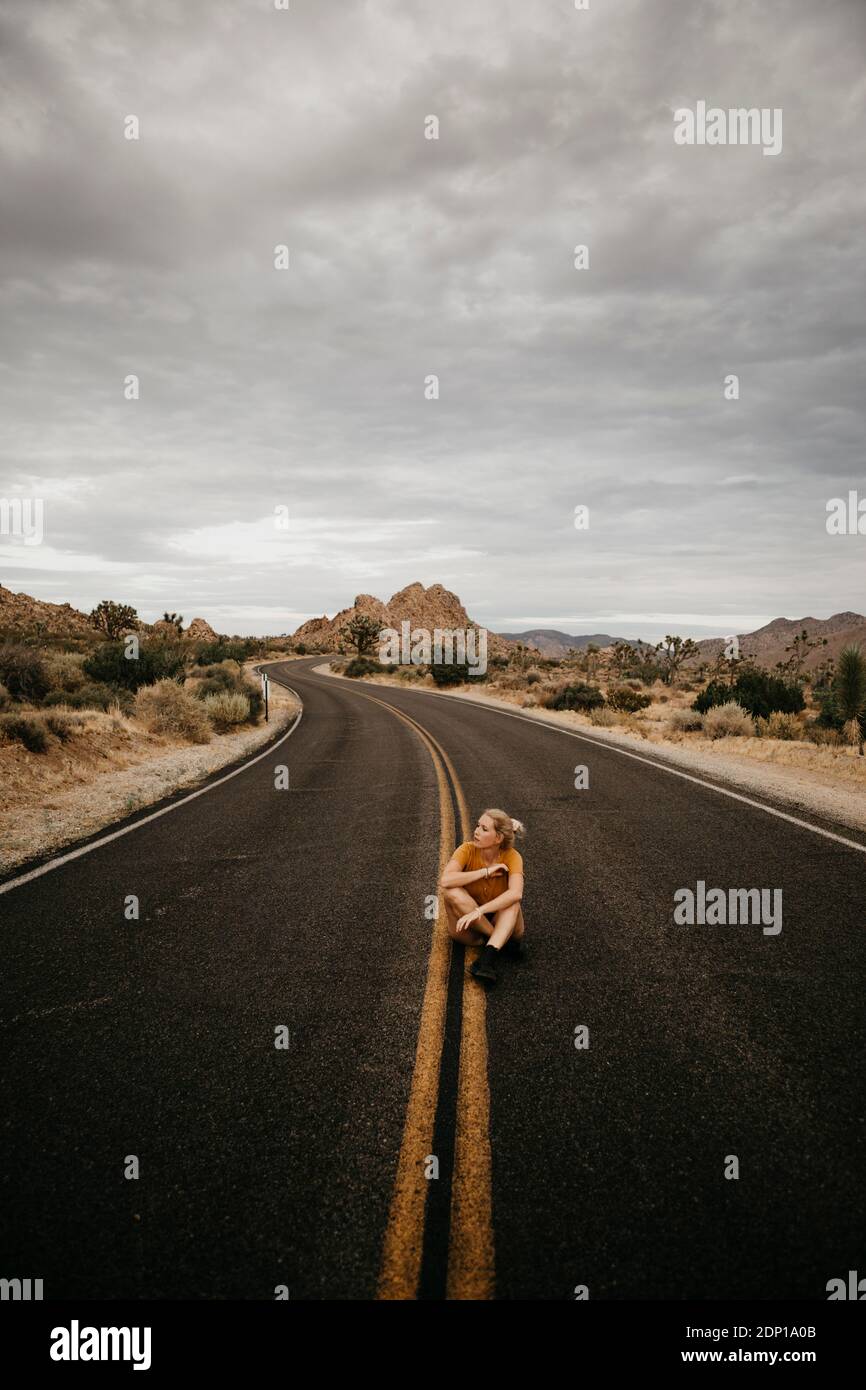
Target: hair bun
{"x": 517, "y": 826}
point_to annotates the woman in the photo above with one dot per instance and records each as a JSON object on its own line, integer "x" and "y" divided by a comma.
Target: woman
{"x": 483, "y": 881}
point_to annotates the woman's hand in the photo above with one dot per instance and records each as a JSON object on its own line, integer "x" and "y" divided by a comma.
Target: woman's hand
{"x": 470, "y": 917}
{"x": 496, "y": 869}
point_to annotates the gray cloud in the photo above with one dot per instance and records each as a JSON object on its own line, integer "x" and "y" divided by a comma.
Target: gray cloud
{"x": 409, "y": 257}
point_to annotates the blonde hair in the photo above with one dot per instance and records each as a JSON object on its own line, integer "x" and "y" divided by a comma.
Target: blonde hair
{"x": 505, "y": 825}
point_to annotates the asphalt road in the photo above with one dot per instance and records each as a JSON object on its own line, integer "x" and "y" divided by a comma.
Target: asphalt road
{"x": 305, "y": 908}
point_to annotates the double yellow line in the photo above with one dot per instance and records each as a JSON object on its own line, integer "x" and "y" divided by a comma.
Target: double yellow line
{"x": 470, "y": 1250}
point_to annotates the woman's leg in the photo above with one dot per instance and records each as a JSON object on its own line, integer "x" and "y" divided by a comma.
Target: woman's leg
{"x": 457, "y": 903}
{"x": 509, "y": 922}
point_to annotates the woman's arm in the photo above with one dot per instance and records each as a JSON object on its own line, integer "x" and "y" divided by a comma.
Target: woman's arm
{"x": 454, "y": 877}
{"x": 512, "y": 894}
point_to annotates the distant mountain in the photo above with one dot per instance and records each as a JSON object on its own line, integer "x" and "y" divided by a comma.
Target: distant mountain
{"x": 551, "y": 642}
{"x": 767, "y": 645}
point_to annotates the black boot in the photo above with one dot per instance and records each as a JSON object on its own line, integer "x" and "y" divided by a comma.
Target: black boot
{"x": 484, "y": 968}
{"x": 516, "y": 948}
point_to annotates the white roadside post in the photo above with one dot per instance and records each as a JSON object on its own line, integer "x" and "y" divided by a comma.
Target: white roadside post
{"x": 265, "y": 693}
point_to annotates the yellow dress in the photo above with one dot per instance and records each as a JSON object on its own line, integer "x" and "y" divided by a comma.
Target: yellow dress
{"x": 483, "y": 890}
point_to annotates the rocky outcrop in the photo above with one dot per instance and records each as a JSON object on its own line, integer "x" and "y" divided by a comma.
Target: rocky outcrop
{"x": 27, "y": 616}
{"x": 431, "y": 608}
{"x": 200, "y": 631}
{"x": 19, "y": 613}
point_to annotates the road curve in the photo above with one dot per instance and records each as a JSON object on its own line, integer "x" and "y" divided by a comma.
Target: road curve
{"x": 305, "y": 907}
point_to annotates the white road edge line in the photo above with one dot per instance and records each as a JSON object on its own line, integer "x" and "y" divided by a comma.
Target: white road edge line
{"x": 626, "y": 753}
{"x": 154, "y": 815}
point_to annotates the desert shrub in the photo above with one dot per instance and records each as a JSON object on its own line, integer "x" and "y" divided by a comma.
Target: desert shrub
{"x": 784, "y": 726}
{"x": 165, "y": 708}
{"x": 24, "y": 728}
{"x": 533, "y": 677}
{"x": 663, "y": 699}
{"x": 255, "y": 699}
{"x": 819, "y": 733}
{"x": 728, "y": 721}
{"x": 682, "y": 721}
{"x": 222, "y": 675}
{"x": 627, "y": 699}
{"x": 755, "y": 691}
{"x": 22, "y": 671}
{"x": 63, "y": 725}
{"x": 363, "y": 666}
{"x": 91, "y": 696}
{"x": 5, "y": 698}
{"x": 529, "y": 701}
{"x": 849, "y": 693}
{"x": 226, "y": 709}
{"x": 646, "y": 673}
{"x": 64, "y": 670}
{"x": 212, "y": 685}
{"x": 578, "y": 696}
{"x": 547, "y": 690}
{"x": 225, "y": 679}
{"x": 603, "y": 718}
{"x": 843, "y": 699}
{"x": 213, "y": 653}
{"x": 156, "y": 662}
{"x": 830, "y": 716}
{"x": 454, "y": 673}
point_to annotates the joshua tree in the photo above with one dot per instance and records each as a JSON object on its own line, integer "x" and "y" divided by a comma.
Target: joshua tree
{"x": 176, "y": 620}
{"x": 797, "y": 652}
{"x": 622, "y": 657}
{"x": 113, "y": 618}
{"x": 521, "y": 657}
{"x": 823, "y": 674}
{"x": 674, "y": 651}
{"x": 724, "y": 666}
{"x": 849, "y": 691}
{"x": 362, "y": 633}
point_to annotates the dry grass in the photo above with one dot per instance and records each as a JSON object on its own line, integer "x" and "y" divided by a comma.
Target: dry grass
{"x": 166, "y": 708}
{"x": 101, "y": 768}
{"x": 226, "y": 709}
{"x": 728, "y": 721}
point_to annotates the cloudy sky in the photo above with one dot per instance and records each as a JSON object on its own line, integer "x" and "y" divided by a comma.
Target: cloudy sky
{"x": 304, "y": 389}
